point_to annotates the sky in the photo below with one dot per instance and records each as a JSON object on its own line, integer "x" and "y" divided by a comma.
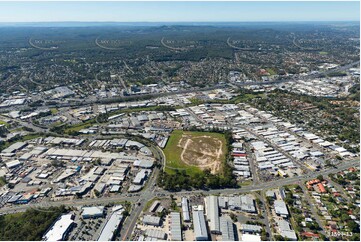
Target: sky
{"x": 178, "y": 11}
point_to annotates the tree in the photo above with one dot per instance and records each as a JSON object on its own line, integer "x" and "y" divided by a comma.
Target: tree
{"x": 353, "y": 226}
{"x": 125, "y": 213}
{"x": 344, "y": 217}
{"x": 233, "y": 217}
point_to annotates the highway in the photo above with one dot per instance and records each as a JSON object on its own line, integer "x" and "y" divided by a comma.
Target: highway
{"x": 90, "y": 101}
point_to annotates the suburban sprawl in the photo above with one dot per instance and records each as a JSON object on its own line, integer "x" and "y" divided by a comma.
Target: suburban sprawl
{"x": 180, "y": 133}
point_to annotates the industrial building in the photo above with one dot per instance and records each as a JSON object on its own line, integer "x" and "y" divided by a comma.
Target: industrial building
{"x": 60, "y": 229}
{"x": 111, "y": 226}
{"x": 92, "y": 212}
{"x": 212, "y": 211}
{"x": 154, "y": 206}
{"x": 185, "y": 210}
{"x": 285, "y": 230}
{"x": 250, "y": 228}
{"x": 175, "y": 227}
{"x": 151, "y": 220}
{"x": 200, "y": 228}
{"x": 155, "y": 234}
{"x": 281, "y": 208}
{"x": 227, "y": 229}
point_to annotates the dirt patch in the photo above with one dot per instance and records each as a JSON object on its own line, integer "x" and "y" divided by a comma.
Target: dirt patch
{"x": 204, "y": 152}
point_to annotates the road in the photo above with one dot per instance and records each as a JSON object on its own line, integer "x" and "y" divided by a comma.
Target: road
{"x": 313, "y": 209}
{"x": 89, "y": 101}
{"x": 149, "y": 193}
{"x": 275, "y": 147}
{"x": 140, "y": 199}
{"x": 28, "y": 125}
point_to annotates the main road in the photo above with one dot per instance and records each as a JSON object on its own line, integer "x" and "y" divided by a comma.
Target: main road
{"x": 150, "y": 191}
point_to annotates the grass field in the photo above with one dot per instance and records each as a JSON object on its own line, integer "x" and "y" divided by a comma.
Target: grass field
{"x": 194, "y": 151}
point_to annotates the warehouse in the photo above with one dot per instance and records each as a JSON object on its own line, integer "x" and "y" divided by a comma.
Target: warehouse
{"x": 60, "y": 228}
{"x": 12, "y": 164}
{"x": 141, "y": 176}
{"x": 175, "y": 226}
{"x": 143, "y": 163}
{"x": 281, "y": 208}
{"x": 286, "y": 231}
{"x": 200, "y": 229}
{"x": 251, "y": 238}
{"x": 15, "y": 147}
{"x": 151, "y": 220}
{"x": 250, "y": 228}
{"x": 111, "y": 226}
{"x": 247, "y": 204}
{"x": 185, "y": 210}
{"x": 227, "y": 229}
{"x": 154, "y": 233}
{"x": 92, "y": 212}
{"x": 213, "y": 213}
{"x": 154, "y": 206}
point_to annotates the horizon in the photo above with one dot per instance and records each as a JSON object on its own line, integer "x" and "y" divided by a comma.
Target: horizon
{"x": 135, "y": 12}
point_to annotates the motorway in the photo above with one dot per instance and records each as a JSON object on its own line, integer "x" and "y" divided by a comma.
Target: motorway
{"x": 90, "y": 101}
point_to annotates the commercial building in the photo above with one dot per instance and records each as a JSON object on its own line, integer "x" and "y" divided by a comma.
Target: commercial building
{"x": 92, "y": 212}
{"x": 286, "y": 231}
{"x": 60, "y": 228}
{"x": 200, "y": 228}
{"x": 247, "y": 204}
{"x": 175, "y": 227}
{"x": 281, "y": 208}
{"x": 111, "y": 226}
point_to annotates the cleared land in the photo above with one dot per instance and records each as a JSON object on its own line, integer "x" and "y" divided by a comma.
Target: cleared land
{"x": 195, "y": 151}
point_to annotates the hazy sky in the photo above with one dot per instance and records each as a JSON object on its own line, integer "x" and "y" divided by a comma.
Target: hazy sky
{"x": 178, "y": 11}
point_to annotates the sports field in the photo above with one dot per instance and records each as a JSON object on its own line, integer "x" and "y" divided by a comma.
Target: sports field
{"x": 195, "y": 151}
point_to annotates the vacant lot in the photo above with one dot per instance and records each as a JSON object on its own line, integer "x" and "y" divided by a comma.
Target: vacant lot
{"x": 195, "y": 151}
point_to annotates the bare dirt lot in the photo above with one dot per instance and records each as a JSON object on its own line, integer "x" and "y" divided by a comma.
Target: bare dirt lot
{"x": 206, "y": 152}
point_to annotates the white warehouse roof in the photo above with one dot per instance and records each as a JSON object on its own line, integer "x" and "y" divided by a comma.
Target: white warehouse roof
{"x": 60, "y": 228}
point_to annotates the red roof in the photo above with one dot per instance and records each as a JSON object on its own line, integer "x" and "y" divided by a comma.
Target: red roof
{"x": 310, "y": 234}
{"x": 241, "y": 155}
{"x": 321, "y": 187}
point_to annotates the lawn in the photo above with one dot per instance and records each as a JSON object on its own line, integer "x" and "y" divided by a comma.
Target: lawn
{"x": 271, "y": 71}
{"x": 173, "y": 151}
{"x": 4, "y": 123}
{"x": 54, "y": 111}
